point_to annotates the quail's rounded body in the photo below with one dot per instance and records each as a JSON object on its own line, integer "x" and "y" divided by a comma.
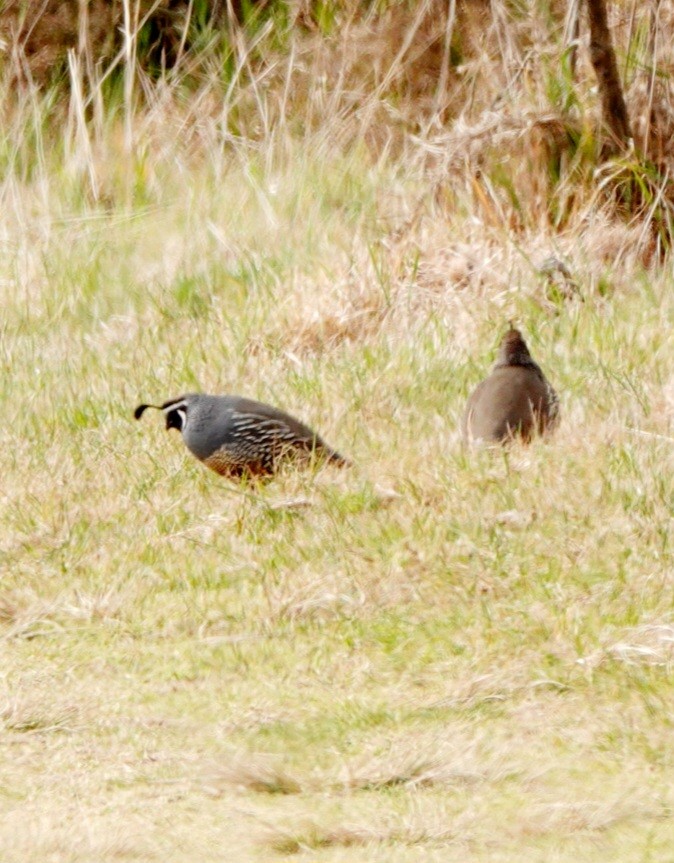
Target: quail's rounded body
{"x": 515, "y": 400}
{"x": 236, "y": 436}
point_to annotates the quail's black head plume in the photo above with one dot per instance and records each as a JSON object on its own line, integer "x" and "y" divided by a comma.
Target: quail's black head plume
{"x": 515, "y": 400}
{"x": 235, "y": 436}
{"x": 174, "y": 409}
{"x": 140, "y": 410}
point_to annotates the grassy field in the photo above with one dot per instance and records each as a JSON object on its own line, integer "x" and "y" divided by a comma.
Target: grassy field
{"x": 437, "y": 654}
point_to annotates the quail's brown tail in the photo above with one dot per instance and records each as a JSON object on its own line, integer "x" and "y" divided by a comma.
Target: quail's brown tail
{"x": 334, "y": 457}
{"x": 323, "y": 452}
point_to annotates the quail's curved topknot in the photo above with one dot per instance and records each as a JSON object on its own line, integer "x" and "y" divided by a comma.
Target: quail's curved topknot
{"x": 513, "y": 350}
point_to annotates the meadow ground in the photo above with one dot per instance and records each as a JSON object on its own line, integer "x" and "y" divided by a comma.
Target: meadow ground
{"x": 436, "y": 654}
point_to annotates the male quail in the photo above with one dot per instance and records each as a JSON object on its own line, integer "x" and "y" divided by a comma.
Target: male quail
{"x": 515, "y": 400}
{"x": 238, "y": 437}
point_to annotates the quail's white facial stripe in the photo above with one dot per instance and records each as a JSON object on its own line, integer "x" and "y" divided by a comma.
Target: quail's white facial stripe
{"x": 181, "y": 409}
{"x": 173, "y": 406}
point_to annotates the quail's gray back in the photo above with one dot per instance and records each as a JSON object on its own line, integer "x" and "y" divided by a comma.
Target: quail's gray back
{"x": 234, "y": 435}
{"x": 515, "y": 400}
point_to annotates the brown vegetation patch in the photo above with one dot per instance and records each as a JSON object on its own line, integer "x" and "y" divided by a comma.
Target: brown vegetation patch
{"x": 309, "y": 835}
{"x": 26, "y": 715}
{"x": 255, "y": 772}
{"x": 589, "y": 816}
{"x": 42, "y": 33}
{"x": 23, "y": 615}
{"x": 323, "y": 328}
{"x": 423, "y": 761}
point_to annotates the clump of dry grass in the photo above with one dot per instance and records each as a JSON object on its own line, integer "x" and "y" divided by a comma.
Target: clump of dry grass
{"x": 251, "y": 772}
{"x": 98, "y": 839}
{"x": 309, "y": 836}
{"x": 24, "y": 615}
{"x": 647, "y": 644}
{"x": 313, "y": 837}
{"x": 426, "y": 760}
{"x": 33, "y": 716}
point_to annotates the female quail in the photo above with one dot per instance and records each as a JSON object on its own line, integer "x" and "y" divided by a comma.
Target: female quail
{"x": 236, "y": 437}
{"x": 516, "y": 399}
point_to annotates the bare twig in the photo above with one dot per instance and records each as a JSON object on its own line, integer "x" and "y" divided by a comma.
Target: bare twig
{"x": 602, "y": 55}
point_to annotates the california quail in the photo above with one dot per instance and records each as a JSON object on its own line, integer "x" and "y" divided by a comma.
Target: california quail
{"x": 238, "y": 437}
{"x": 560, "y": 283}
{"x": 516, "y": 399}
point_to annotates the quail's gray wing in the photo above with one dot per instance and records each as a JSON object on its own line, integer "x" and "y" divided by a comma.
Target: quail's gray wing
{"x": 262, "y": 415}
{"x": 280, "y": 427}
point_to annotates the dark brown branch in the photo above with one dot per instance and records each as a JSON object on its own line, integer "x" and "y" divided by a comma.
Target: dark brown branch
{"x": 602, "y": 55}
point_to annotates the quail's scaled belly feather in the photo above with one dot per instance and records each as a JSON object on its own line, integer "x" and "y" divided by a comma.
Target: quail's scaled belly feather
{"x": 236, "y": 436}
{"x": 515, "y": 400}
